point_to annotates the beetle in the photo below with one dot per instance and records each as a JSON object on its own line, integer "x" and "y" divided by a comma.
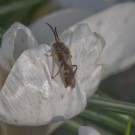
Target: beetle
{"x": 63, "y": 54}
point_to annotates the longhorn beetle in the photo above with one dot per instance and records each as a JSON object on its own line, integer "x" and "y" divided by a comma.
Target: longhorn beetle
{"x": 63, "y": 54}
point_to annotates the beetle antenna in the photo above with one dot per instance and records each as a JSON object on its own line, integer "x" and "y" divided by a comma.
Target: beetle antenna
{"x": 54, "y": 32}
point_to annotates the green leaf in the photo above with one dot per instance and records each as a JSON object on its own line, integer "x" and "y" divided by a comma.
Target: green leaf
{"x": 113, "y": 105}
{"x": 104, "y": 120}
{"x": 128, "y": 130}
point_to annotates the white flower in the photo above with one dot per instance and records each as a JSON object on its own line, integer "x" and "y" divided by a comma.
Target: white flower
{"x": 30, "y": 96}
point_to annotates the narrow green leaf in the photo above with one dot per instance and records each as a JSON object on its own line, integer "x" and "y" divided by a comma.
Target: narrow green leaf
{"x": 113, "y": 105}
{"x": 105, "y": 120}
{"x": 128, "y": 130}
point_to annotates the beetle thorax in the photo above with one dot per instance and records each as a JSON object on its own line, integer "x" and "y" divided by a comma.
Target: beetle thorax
{"x": 61, "y": 50}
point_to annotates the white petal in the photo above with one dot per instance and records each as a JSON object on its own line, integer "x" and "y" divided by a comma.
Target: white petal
{"x": 118, "y": 29}
{"x": 67, "y": 37}
{"x": 31, "y": 97}
{"x": 83, "y": 130}
{"x": 17, "y": 39}
{"x": 3, "y": 76}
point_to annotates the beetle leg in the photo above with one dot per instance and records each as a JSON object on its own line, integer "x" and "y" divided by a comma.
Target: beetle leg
{"x": 58, "y": 70}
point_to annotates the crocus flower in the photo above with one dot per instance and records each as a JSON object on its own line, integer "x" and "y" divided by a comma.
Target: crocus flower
{"x": 29, "y": 95}
{"x": 25, "y": 98}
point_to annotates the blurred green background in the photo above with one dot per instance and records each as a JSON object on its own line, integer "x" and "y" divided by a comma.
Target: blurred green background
{"x": 26, "y": 11}
{"x": 19, "y": 10}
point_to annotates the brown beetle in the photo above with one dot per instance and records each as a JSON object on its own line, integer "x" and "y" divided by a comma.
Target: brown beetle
{"x": 63, "y": 54}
